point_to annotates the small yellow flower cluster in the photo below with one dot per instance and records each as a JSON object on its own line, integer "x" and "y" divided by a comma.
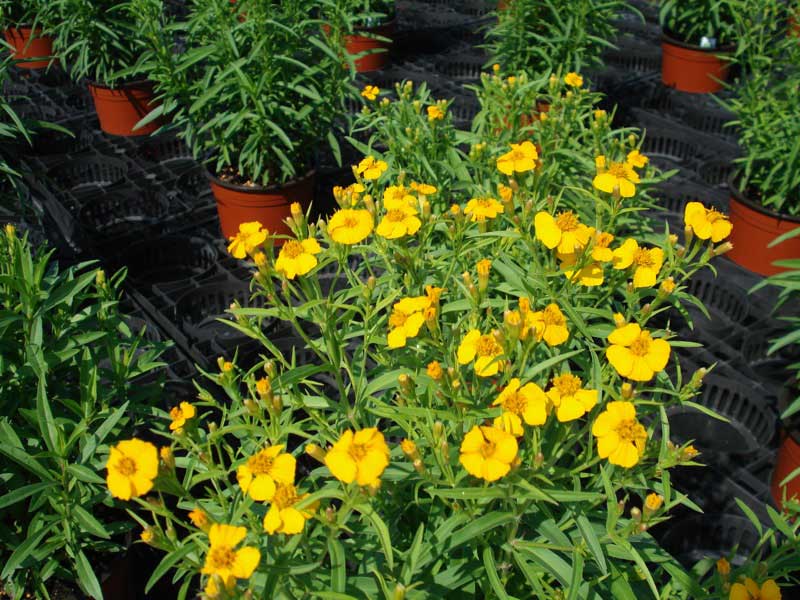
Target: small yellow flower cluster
{"x": 619, "y": 177}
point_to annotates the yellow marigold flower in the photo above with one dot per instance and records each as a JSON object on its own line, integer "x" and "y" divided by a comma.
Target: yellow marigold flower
{"x": 483, "y": 266}
{"x": 180, "y": 414}
{"x": 520, "y": 159}
{"x": 481, "y": 209}
{"x": 297, "y": 257}
{"x": 227, "y": 366}
{"x": 423, "y": 188}
{"x": 433, "y": 293}
{"x": 600, "y": 163}
{"x": 637, "y": 159}
{"x": 601, "y": 251}
{"x": 528, "y": 402}
{"x": 723, "y": 567}
{"x": 199, "y": 519}
{"x": 263, "y": 471}
{"x": 370, "y": 92}
{"x": 147, "y": 535}
{"x": 224, "y": 560}
{"x": 132, "y": 466}
{"x": 251, "y": 235}
{"x": 573, "y": 80}
{"x": 484, "y": 350}
{"x": 361, "y": 456}
{"x": 563, "y": 232}
{"x": 406, "y": 320}
{"x": 506, "y": 193}
{"x": 435, "y": 370}
{"x": 620, "y": 177}
{"x": 282, "y": 516}
{"x": 600, "y": 114}
{"x": 496, "y": 67}
{"x": 395, "y": 195}
{"x": 455, "y": 210}
{"x": 435, "y": 113}
{"x": 350, "y": 226}
{"x": 512, "y": 80}
{"x": 706, "y": 222}
{"x": 620, "y": 437}
{"x": 370, "y": 168}
{"x": 689, "y": 452}
{"x": 667, "y": 286}
{"x": 510, "y": 423}
{"x": 653, "y": 502}
{"x": 749, "y": 590}
{"x": 569, "y": 397}
{"x": 408, "y": 447}
{"x": 400, "y": 220}
{"x": 487, "y": 452}
{"x": 263, "y": 386}
{"x": 635, "y": 354}
{"x": 590, "y": 274}
{"x": 646, "y": 262}
{"x": 550, "y": 325}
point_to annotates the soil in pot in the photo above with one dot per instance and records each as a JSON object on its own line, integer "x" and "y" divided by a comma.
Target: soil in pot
{"x": 27, "y": 44}
{"x": 690, "y": 68}
{"x": 119, "y": 109}
{"x": 754, "y": 228}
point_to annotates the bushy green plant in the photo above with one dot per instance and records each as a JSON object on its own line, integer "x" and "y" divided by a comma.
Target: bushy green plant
{"x": 553, "y": 36}
{"x": 257, "y": 88}
{"x": 70, "y": 382}
{"x": 32, "y": 13}
{"x": 691, "y": 20}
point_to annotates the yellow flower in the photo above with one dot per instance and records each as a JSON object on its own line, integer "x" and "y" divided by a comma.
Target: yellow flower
{"x": 724, "y": 567}
{"x": 409, "y": 448}
{"x": 667, "y": 286}
{"x": 400, "y": 219}
{"x": 361, "y": 456}
{"x": 635, "y": 354}
{"x": 600, "y": 163}
{"x": 564, "y": 232}
{"x": 647, "y": 262}
{"x": 423, "y": 188}
{"x": 297, "y": 257}
{"x": 749, "y": 590}
{"x": 212, "y": 589}
{"x": 637, "y": 159}
{"x": 506, "y": 193}
{"x": 653, "y": 502}
{"x": 433, "y": 293}
{"x": 620, "y": 177}
{"x": 199, "y": 519}
{"x": 132, "y": 466}
{"x": 601, "y": 251}
{"x": 282, "y": 516}
{"x": 263, "y": 386}
{"x": 263, "y": 471}
{"x": 434, "y": 370}
{"x": 550, "y": 324}
{"x": 251, "y": 235}
{"x": 600, "y": 114}
{"x": 590, "y": 274}
{"x": 573, "y": 80}
{"x": 484, "y": 350}
{"x": 226, "y": 562}
{"x": 520, "y": 159}
{"x": 406, "y": 320}
{"x": 487, "y": 452}
{"x": 370, "y": 92}
{"x": 350, "y": 226}
{"x": 147, "y": 535}
{"x": 620, "y": 437}
{"x": 528, "y": 403}
{"x": 227, "y": 366}
{"x": 180, "y": 414}
{"x": 435, "y": 113}
{"x": 481, "y": 209}
{"x": 349, "y": 196}
{"x": 370, "y": 168}
{"x": 706, "y": 222}
{"x": 569, "y": 397}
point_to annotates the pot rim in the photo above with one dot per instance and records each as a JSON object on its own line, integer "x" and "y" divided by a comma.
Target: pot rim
{"x": 740, "y": 197}
{"x": 669, "y": 39}
{"x": 136, "y": 83}
{"x": 257, "y": 189}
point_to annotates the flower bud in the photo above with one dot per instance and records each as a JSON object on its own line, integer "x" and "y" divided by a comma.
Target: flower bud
{"x": 277, "y": 404}
{"x": 409, "y": 448}
{"x": 619, "y": 320}
{"x": 434, "y": 370}
{"x": 315, "y": 452}
{"x": 212, "y": 427}
{"x": 406, "y": 385}
{"x": 627, "y": 391}
{"x": 297, "y": 213}
{"x": 652, "y": 504}
{"x": 636, "y": 514}
{"x": 667, "y": 287}
{"x": 512, "y": 323}
{"x": 688, "y": 234}
{"x": 100, "y": 278}
{"x": 438, "y": 430}
{"x": 723, "y": 248}
{"x": 483, "y": 267}
{"x": 399, "y": 592}
{"x": 723, "y": 567}
{"x": 147, "y": 535}
{"x": 167, "y": 457}
{"x": 269, "y": 368}
{"x": 199, "y": 519}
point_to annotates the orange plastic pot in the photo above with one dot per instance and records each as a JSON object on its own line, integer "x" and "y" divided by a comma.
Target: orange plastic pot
{"x": 120, "y": 108}
{"x": 754, "y": 228}
{"x": 786, "y": 462}
{"x": 270, "y": 206}
{"x": 27, "y": 44}
{"x": 689, "y": 68}
{"x": 377, "y": 50}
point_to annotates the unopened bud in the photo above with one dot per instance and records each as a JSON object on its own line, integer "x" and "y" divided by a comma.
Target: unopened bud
{"x": 636, "y": 514}
{"x": 438, "y": 430}
{"x": 100, "y": 278}
{"x": 723, "y": 248}
{"x": 212, "y": 427}
{"x": 399, "y": 592}
{"x": 619, "y": 320}
{"x": 251, "y": 406}
{"x": 627, "y": 391}
{"x": 688, "y": 234}
{"x": 483, "y": 268}
{"x": 406, "y": 385}
{"x": 167, "y": 457}
{"x": 269, "y": 368}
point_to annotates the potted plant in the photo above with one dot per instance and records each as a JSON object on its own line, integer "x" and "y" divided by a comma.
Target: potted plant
{"x": 697, "y": 39}
{"x": 765, "y": 191}
{"x": 98, "y": 40}
{"x": 368, "y": 27}
{"x": 26, "y": 25}
{"x": 255, "y": 98}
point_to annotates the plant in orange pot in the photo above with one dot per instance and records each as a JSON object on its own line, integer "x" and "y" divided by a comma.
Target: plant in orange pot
{"x": 98, "y": 40}
{"x": 368, "y": 27}
{"x": 697, "y": 39}
{"x": 26, "y": 25}
{"x": 255, "y": 98}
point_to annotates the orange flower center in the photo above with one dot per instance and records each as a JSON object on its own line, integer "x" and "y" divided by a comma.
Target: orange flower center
{"x": 567, "y": 221}
{"x": 515, "y": 403}
{"x": 488, "y": 346}
{"x": 641, "y": 345}
{"x": 176, "y": 413}
{"x": 285, "y": 495}
{"x": 485, "y": 203}
{"x": 396, "y": 216}
{"x": 567, "y": 384}
{"x": 350, "y": 223}
{"x": 552, "y": 316}
{"x": 126, "y": 466}
{"x": 603, "y": 240}
{"x": 517, "y": 155}
{"x": 357, "y": 452}
{"x": 221, "y": 558}
{"x": 643, "y": 258}
{"x": 712, "y": 216}
{"x": 260, "y": 464}
{"x": 630, "y": 430}
{"x": 487, "y": 449}
{"x": 618, "y": 170}
{"x": 292, "y": 249}
{"x": 397, "y": 319}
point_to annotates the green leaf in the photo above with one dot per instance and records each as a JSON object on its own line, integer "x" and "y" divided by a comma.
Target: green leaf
{"x": 593, "y": 542}
{"x": 86, "y": 576}
{"x": 88, "y": 522}
{"x": 23, "y": 551}
{"x": 166, "y": 564}
{"x": 338, "y": 565}
{"x": 381, "y": 530}
{"x": 23, "y": 492}
{"x": 491, "y": 574}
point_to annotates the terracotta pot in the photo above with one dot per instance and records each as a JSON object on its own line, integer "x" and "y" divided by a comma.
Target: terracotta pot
{"x": 24, "y": 47}
{"x": 120, "y": 108}
{"x": 786, "y": 462}
{"x": 378, "y": 48}
{"x": 754, "y": 228}
{"x": 689, "y": 68}
{"x": 270, "y": 206}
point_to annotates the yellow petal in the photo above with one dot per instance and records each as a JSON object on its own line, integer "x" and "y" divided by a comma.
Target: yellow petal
{"x": 396, "y": 338}
{"x": 261, "y": 488}
{"x": 272, "y": 520}
{"x": 603, "y": 424}
{"x": 569, "y": 410}
{"x": 658, "y": 356}
{"x": 283, "y": 468}
{"x": 623, "y": 256}
{"x": 621, "y": 359}
{"x": 626, "y": 455}
{"x": 467, "y": 349}
{"x": 625, "y": 335}
{"x": 720, "y": 230}
{"x": 770, "y": 590}
{"x": 473, "y": 441}
{"x": 293, "y": 521}
{"x": 555, "y": 335}
{"x": 739, "y": 592}
{"x": 644, "y": 277}
{"x": 640, "y": 370}
{"x": 247, "y": 560}
{"x": 607, "y": 444}
{"x": 626, "y": 188}
{"x": 546, "y": 229}
{"x": 119, "y": 486}
{"x": 472, "y": 463}
{"x": 494, "y": 469}
{"x": 311, "y": 246}
{"x": 605, "y": 182}
{"x": 341, "y": 466}
{"x": 487, "y": 366}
